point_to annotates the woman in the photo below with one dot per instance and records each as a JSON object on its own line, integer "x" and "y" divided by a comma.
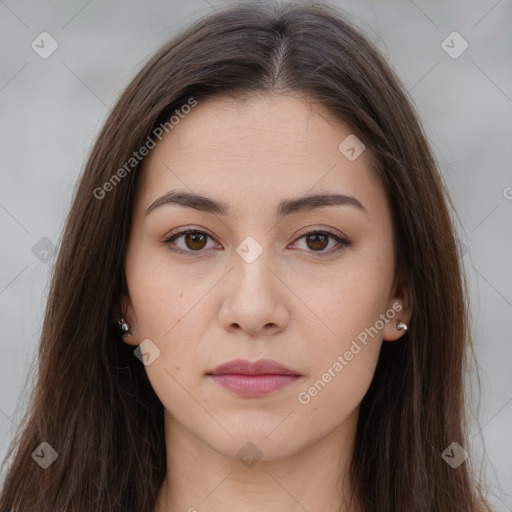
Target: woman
{"x": 258, "y": 301}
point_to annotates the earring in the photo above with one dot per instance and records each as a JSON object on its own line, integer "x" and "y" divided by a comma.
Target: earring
{"x": 124, "y": 326}
{"x": 400, "y": 325}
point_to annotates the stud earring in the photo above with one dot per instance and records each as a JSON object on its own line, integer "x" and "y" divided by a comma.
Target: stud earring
{"x": 400, "y": 325}
{"x": 124, "y": 326}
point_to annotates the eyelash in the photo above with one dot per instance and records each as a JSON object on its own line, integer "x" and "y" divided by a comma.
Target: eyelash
{"x": 343, "y": 242}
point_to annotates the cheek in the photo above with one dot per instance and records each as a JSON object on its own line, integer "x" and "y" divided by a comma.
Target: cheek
{"x": 168, "y": 310}
{"x": 333, "y": 398}
{"x": 352, "y": 299}
{"x": 342, "y": 364}
{"x": 172, "y": 316}
{"x": 352, "y": 307}
{"x": 162, "y": 295}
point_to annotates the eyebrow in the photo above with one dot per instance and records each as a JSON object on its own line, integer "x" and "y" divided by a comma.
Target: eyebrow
{"x": 285, "y": 207}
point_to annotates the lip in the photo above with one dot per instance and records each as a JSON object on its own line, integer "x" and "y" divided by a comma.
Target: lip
{"x": 253, "y": 378}
{"x": 245, "y": 367}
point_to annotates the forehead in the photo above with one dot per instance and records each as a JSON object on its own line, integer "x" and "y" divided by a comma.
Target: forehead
{"x": 255, "y": 150}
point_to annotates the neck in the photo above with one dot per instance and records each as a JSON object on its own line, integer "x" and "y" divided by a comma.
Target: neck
{"x": 200, "y": 477}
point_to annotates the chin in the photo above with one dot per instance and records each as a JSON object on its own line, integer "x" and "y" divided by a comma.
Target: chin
{"x": 250, "y": 444}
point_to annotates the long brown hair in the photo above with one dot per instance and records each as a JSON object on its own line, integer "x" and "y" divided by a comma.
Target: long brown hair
{"x": 93, "y": 403}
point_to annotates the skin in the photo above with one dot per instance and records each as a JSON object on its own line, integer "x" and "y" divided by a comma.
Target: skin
{"x": 290, "y": 304}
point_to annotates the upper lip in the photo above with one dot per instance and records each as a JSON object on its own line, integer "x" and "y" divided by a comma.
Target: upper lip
{"x": 245, "y": 367}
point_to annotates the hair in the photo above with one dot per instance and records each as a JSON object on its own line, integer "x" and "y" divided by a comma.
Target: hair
{"x": 93, "y": 402}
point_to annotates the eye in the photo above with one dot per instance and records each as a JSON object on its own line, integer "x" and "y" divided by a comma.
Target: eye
{"x": 318, "y": 240}
{"x": 193, "y": 239}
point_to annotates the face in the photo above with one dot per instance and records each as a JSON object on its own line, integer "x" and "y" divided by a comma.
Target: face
{"x": 249, "y": 278}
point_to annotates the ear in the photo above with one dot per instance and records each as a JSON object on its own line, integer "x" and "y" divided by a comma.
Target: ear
{"x": 401, "y": 302}
{"x": 124, "y": 309}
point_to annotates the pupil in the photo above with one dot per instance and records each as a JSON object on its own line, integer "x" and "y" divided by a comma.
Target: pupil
{"x": 195, "y": 237}
{"x": 316, "y": 241}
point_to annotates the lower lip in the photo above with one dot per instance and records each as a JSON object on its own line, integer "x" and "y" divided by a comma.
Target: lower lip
{"x": 254, "y": 385}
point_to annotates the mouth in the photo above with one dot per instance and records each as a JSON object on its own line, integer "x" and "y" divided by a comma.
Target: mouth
{"x": 255, "y": 378}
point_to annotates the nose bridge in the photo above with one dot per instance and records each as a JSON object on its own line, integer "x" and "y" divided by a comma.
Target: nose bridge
{"x": 251, "y": 266}
{"x": 253, "y": 299}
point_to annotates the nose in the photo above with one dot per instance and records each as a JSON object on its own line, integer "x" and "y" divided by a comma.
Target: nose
{"x": 254, "y": 299}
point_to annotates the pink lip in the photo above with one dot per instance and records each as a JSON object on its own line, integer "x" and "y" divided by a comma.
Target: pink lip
{"x": 255, "y": 378}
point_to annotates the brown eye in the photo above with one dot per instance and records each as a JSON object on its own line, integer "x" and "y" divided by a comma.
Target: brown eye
{"x": 193, "y": 241}
{"x": 317, "y": 242}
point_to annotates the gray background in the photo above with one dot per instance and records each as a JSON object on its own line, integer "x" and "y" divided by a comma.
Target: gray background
{"x": 52, "y": 109}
